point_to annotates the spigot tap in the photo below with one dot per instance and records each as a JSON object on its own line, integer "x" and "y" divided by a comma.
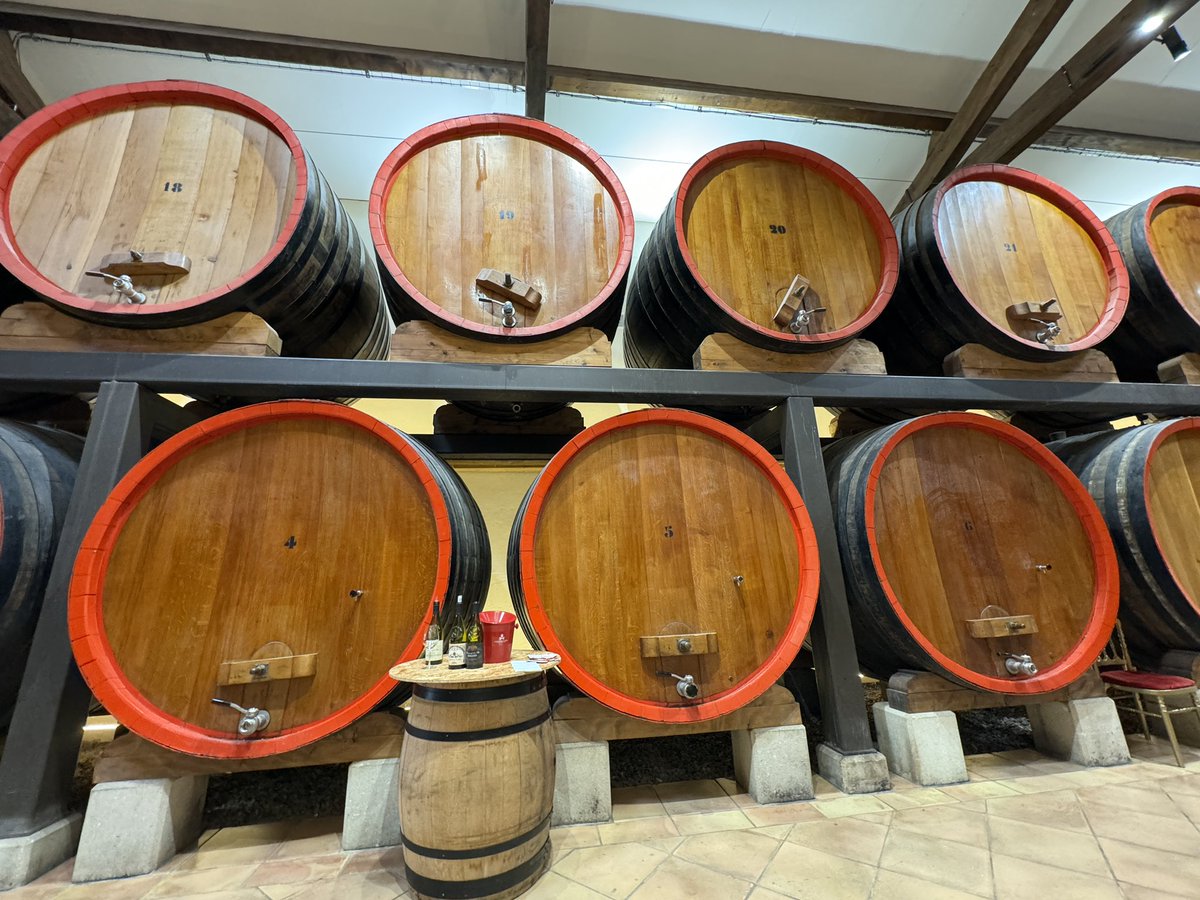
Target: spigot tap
{"x": 1020, "y": 664}
{"x": 252, "y": 721}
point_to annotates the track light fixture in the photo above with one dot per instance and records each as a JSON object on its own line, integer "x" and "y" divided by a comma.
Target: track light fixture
{"x": 1175, "y": 43}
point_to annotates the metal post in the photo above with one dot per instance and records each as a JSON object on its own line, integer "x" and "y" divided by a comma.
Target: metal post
{"x": 38, "y": 765}
{"x": 843, "y": 712}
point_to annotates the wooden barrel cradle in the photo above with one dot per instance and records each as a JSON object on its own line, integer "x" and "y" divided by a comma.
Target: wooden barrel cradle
{"x": 1146, "y": 481}
{"x": 281, "y": 557}
{"x": 203, "y": 199}
{"x": 966, "y": 545}
{"x": 1159, "y": 240}
{"x": 512, "y": 195}
{"x": 752, "y": 225}
{"x": 476, "y": 781}
{"x": 37, "y": 475}
{"x": 665, "y": 543}
{"x": 983, "y": 255}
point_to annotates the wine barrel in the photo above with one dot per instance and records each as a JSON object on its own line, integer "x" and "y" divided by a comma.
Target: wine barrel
{"x": 951, "y": 527}
{"x": 1158, "y": 240}
{"x": 204, "y": 198}
{"x": 281, "y": 556}
{"x": 659, "y": 543}
{"x": 497, "y": 844}
{"x": 513, "y": 195}
{"x": 745, "y": 222}
{"x": 1145, "y": 481}
{"x": 980, "y": 254}
{"x": 37, "y": 475}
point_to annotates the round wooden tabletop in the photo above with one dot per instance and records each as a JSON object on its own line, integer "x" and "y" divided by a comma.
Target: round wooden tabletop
{"x": 492, "y": 674}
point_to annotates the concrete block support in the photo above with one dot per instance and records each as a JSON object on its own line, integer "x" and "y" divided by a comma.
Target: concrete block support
{"x": 23, "y": 859}
{"x": 854, "y": 773}
{"x": 582, "y": 786}
{"x": 772, "y": 764}
{"x": 923, "y": 747}
{"x": 372, "y": 817}
{"x": 133, "y": 827}
{"x": 1087, "y": 732}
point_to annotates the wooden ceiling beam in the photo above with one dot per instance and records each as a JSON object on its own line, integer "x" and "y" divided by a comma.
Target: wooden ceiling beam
{"x": 1098, "y": 60}
{"x": 537, "y": 52}
{"x": 1025, "y": 38}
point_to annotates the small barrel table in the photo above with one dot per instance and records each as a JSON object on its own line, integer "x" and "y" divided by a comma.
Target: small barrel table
{"x": 476, "y": 780}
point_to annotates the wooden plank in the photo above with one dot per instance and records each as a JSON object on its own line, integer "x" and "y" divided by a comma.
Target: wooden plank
{"x": 537, "y": 50}
{"x": 425, "y": 342}
{"x": 35, "y": 326}
{"x": 1027, "y": 35}
{"x": 977, "y": 361}
{"x": 129, "y": 757}
{"x": 275, "y": 668}
{"x": 725, "y": 353}
{"x": 1098, "y": 60}
{"x": 13, "y": 83}
{"x": 656, "y": 645}
{"x": 916, "y": 692}
{"x": 1001, "y": 626}
{"x": 583, "y": 719}
{"x": 1184, "y": 369}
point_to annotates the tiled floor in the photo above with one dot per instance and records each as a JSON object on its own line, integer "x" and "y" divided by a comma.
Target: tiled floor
{"x": 1024, "y": 827}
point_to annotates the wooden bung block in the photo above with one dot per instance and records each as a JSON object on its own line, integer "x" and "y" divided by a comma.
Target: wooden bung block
{"x": 725, "y": 353}
{"x": 419, "y": 341}
{"x": 977, "y": 361}
{"x": 275, "y": 668}
{"x": 35, "y": 326}
{"x": 656, "y": 645}
{"x": 1001, "y": 626}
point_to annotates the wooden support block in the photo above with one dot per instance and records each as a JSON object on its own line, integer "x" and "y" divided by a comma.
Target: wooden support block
{"x": 917, "y": 692}
{"x": 508, "y": 287}
{"x": 450, "y": 419}
{"x": 1002, "y": 626}
{"x": 425, "y": 342}
{"x": 977, "y": 361}
{"x": 725, "y": 353}
{"x": 144, "y": 264}
{"x": 1184, "y": 369}
{"x": 583, "y": 719}
{"x": 656, "y": 645}
{"x": 129, "y": 757}
{"x": 1184, "y": 663}
{"x": 275, "y": 668}
{"x": 35, "y": 326}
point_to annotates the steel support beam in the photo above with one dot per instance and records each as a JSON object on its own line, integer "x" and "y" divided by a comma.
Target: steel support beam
{"x": 843, "y": 712}
{"x": 537, "y": 53}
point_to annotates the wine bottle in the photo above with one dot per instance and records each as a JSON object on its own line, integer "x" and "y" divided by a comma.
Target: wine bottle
{"x": 433, "y": 639}
{"x": 456, "y": 652}
{"x": 474, "y": 643}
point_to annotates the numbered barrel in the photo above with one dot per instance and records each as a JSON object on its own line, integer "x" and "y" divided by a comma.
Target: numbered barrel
{"x": 281, "y": 557}
{"x": 37, "y": 475}
{"x": 1001, "y": 257}
{"x": 670, "y": 562}
{"x": 1146, "y": 481}
{"x": 1158, "y": 240}
{"x": 774, "y": 244}
{"x": 970, "y": 551}
{"x": 169, "y": 203}
{"x": 466, "y": 205}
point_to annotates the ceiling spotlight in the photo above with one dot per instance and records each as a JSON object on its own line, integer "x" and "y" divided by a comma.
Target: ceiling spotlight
{"x": 1174, "y": 42}
{"x": 1151, "y": 25}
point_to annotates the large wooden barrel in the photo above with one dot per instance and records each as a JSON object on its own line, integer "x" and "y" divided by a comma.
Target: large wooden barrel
{"x": 665, "y": 543}
{"x": 37, "y": 475}
{"x": 1146, "y": 481}
{"x": 215, "y": 194}
{"x": 1158, "y": 240}
{"x": 981, "y": 254}
{"x": 954, "y": 525}
{"x": 508, "y": 194}
{"x": 745, "y": 222}
{"x": 476, "y": 787}
{"x": 282, "y": 556}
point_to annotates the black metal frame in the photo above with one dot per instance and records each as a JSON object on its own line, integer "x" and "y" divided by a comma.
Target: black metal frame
{"x": 39, "y": 758}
